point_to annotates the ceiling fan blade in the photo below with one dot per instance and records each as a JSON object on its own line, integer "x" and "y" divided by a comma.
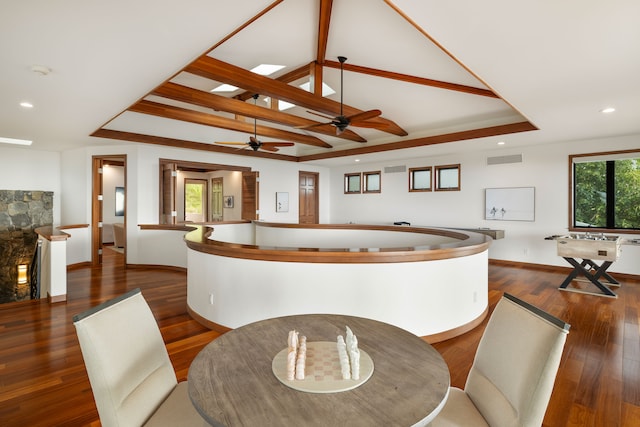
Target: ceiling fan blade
{"x": 230, "y": 143}
{"x": 278, "y": 144}
{"x": 365, "y": 115}
{"x": 320, "y": 114}
{"x": 315, "y": 125}
{"x": 371, "y": 125}
{"x": 268, "y": 148}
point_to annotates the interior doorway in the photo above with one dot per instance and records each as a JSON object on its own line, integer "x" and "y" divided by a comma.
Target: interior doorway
{"x": 108, "y": 204}
{"x": 232, "y": 201}
{"x": 308, "y": 209}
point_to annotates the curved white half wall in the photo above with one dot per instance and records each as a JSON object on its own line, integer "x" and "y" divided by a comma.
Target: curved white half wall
{"x": 424, "y": 297}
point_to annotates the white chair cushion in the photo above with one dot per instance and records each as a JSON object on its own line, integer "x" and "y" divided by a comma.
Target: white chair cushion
{"x": 177, "y": 410}
{"x": 127, "y": 362}
{"x": 515, "y": 367}
{"x": 459, "y": 411}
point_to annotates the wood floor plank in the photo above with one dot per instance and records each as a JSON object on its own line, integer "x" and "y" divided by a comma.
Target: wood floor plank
{"x": 43, "y": 381}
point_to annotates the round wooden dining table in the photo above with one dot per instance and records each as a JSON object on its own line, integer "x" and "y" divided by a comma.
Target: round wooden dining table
{"x": 232, "y": 383}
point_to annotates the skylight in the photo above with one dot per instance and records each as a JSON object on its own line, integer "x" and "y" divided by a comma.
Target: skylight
{"x": 266, "y": 69}
{"x": 262, "y": 69}
{"x": 326, "y": 91}
{"x": 224, "y": 88}
{"x": 15, "y": 141}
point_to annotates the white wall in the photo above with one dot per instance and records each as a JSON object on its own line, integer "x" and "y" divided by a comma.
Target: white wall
{"x": 231, "y": 186}
{"x": 143, "y": 185}
{"x": 23, "y": 168}
{"x": 544, "y": 167}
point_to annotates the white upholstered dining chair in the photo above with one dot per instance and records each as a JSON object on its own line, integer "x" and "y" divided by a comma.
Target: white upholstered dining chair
{"x": 131, "y": 376}
{"x": 514, "y": 369}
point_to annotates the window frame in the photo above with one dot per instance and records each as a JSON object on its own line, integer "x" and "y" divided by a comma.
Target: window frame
{"x": 412, "y": 172}
{"x": 599, "y": 156}
{"x": 347, "y": 178}
{"x": 366, "y": 188}
{"x": 438, "y": 178}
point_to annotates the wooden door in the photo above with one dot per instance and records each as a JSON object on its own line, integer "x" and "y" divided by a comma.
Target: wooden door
{"x": 168, "y": 193}
{"x": 308, "y": 198}
{"x": 217, "y": 213}
{"x": 96, "y": 211}
{"x": 250, "y": 206}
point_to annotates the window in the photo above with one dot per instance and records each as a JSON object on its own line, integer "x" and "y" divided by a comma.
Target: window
{"x": 420, "y": 179}
{"x": 352, "y": 183}
{"x": 448, "y": 178}
{"x": 372, "y": 182}
{"x": 605, "y": 191}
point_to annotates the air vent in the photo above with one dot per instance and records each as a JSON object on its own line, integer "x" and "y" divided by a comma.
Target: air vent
{"x": 501, "y": 160}
{"x": 395, "y": 169}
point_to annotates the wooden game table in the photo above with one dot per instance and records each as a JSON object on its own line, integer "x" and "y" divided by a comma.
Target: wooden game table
{"x": 232, "y": 380}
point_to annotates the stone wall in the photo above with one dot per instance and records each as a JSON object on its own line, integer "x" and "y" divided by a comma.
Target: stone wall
{"x": 20, "y": 213}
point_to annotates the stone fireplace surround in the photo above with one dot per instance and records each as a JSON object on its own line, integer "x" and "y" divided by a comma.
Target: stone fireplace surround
{"x": 21, "y": 212}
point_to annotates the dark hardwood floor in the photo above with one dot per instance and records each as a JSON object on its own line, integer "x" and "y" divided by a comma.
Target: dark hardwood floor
{"x": 43, "y": 381}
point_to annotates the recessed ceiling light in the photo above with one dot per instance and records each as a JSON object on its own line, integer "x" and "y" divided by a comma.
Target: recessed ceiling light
{"x": 501, "y": 143}
{"x": 15, "y": 141}
{"x": 608, "y": 110}
{"x": 357, "y": 160}
{"x": 26, "y": 104}
{"x": 41, "y": 70}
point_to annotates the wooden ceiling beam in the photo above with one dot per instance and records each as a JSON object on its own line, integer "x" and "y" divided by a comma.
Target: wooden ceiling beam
{"x": 324, "y": 22}
{"x": 189, "y": 95}
{"x": 316, "y": 77}
{"x": 291, "y": 76}
{"x": 413, "y": 79}
{"x": 217, "y": 70}
{"x": 427, "y": 140}
{"x": 197, "y": 117}
{"x": 181, "y": 143}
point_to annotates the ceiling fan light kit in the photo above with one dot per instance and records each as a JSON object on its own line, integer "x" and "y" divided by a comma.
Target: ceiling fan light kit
{"x": 342, "y": 122}
{"x": 254, "y": 143}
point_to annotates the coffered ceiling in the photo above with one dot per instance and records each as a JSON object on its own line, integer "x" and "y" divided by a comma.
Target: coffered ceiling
{"x": 433, "y": 73}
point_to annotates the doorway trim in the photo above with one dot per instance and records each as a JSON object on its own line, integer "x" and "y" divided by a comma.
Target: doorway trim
{"x": 97, "y": 195}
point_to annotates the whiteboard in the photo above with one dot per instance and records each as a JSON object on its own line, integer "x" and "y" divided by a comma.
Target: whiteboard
{"x": 510, "y": 204}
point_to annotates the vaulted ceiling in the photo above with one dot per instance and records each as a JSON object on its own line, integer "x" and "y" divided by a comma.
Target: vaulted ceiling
{"x": 419, "y": 93}
{"x": 421, "y": 73}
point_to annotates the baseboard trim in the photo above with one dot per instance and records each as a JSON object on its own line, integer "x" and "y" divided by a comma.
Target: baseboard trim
{"x": 431, "y": 339}
{"x": 56, "y": 298}
{"x": 157, "y": 266}
{"x": 78, "y": 265}
{"x": 206, "y": 322}
{"x": 553, "y": 268}
{"x": 460, "y": 330}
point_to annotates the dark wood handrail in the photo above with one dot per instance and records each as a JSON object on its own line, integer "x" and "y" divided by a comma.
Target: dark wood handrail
{"x": 52, "y": 234}
{"x": 468, "y": 243}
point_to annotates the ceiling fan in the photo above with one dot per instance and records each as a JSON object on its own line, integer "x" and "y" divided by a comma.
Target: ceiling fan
{"x": 254, "y": 143}
{"x": 341, "y": 122}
